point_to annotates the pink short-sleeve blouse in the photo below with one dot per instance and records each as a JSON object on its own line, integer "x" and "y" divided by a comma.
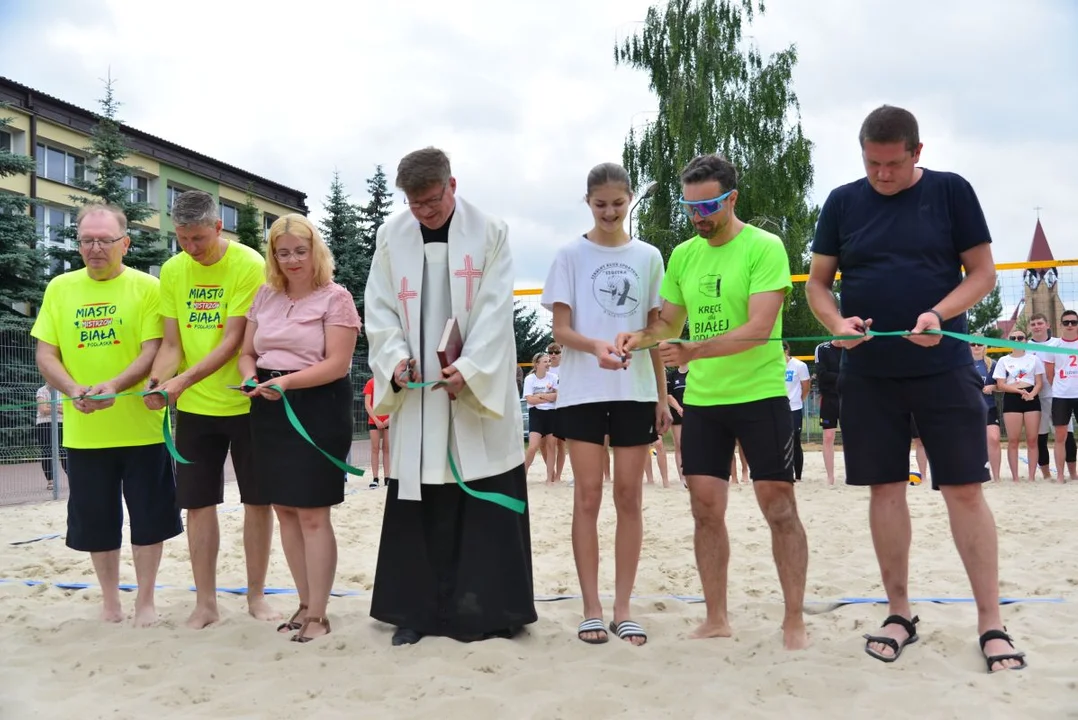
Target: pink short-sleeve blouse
{"x": 291, "y": 335}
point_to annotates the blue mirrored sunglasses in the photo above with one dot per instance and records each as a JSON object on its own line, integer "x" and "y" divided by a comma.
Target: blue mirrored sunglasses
{"x": 703, "y": 208}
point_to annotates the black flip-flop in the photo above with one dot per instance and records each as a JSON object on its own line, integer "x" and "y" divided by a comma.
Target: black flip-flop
{"x": 910, "y": 626}
{"x": 592, "y": 625}
{"x": 991, "y": 660}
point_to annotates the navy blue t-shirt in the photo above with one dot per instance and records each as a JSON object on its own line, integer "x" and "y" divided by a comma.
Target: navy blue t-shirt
{"x": 899, "y": 256}
{"x": 986, "y": 379}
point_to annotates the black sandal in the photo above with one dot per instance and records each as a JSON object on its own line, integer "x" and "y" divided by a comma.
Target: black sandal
{"x": 292, "y": 625}
{"x": 910, "y": 626}
{"x": 301, "y": 638}
{"x": 991, "y": 660}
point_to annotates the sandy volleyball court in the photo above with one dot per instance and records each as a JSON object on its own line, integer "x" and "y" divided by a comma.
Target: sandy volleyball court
{"x": 58, "y": 661}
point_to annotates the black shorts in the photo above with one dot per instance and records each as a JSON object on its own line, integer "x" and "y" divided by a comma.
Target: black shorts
{"x": 1013, "y": 403}
{"x": 541, "y": 422}
{"x": 913, "y": 430}
{"x": 763, "y": 427}
{"x": 101, "y": 480}
{"x": 291, "y": 472}
{"x": 829, "y": 411}
{"x": 557, "y": 431}
{"x": 205, "y": 441}
{"x": 950, "y": 414}
{"x": 1063, "y": 409}
{"x": 628, "y": 423}
{"x": 993, "y": 416}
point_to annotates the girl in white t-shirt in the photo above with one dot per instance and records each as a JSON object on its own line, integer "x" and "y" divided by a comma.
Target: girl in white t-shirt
{"x": 600, "y": 284}
{"x": 1020, "y": 376}
{"x": 540, "y": 392}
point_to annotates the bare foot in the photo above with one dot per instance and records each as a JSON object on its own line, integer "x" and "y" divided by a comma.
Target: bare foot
{"x": 260, "y": 609}
{"x": 145, "y": 617}
{"x": 201, "y": 617}
{"x": 708, "y": 629}
{"x": 112, "y": 614}
{"x": 795, "y": 636}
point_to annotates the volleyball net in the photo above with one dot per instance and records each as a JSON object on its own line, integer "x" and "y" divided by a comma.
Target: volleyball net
{"x": 1023, "y": 289}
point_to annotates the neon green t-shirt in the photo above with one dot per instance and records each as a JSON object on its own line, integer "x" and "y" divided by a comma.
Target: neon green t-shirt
{"x": 201, "y": 299}
{"x": 99, "y": 327}
{"x": 714, "y": 285}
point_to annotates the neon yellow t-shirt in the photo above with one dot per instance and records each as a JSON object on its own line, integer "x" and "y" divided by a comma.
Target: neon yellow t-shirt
{"x": 201, "y": 299}
{"x": 714, "y": 285}
{"x": 99, "y": 327}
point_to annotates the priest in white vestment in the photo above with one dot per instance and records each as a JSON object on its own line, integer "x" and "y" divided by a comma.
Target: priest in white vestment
{"x": 449, "y": 564}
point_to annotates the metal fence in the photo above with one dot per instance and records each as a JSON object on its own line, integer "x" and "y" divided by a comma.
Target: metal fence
{"x": 32, "y": 457}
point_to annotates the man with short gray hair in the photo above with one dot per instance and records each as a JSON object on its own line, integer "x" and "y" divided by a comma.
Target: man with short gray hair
{"x": 205, "y": 293}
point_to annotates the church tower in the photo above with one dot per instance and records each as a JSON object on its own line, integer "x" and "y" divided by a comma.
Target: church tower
{"x": 1041, "y": 284}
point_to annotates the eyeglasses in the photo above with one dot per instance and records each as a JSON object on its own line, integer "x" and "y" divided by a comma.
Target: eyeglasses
{"x": 555, "y": 352}
{"x": 1017, "y": 338}
{"x": 101, "y": 243}
{"x": 429, "y": 204}
{"x": 703, "y": 208}
{"x": 1069, "y": 323}
{"x": 286, "y": 255}
{"x": 977, "y": 345}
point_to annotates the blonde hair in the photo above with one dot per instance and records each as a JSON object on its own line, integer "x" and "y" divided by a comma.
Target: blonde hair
{"x": 535, "y": 360}
{"x": 298, "y": 226}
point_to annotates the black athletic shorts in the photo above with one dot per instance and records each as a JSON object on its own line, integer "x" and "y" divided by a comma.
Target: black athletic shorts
{"x": 993, "y": 416}
{"x": 206, "y": 440}
{"x": 950, "y": 414}
{"x": 628, "y": 423}
{"x": 1013, "y": 403}
{"x": 763, "y": 427}
{"x": 541, "y": 422}
{"x": 101, "y": 480}
{"x": 1063, "y": 409}
{"x": 829, "y": 411}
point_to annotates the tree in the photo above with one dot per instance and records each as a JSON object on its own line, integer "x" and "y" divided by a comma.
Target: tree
{"x": 531, "y": 335}
{"x": 370, "y": 217}
{"x": 340, "y": 230}
{"x": 717, "y": 93}
{"x": 249, "y": 223}
{"x": 22, "y": 264}
{"x": 984, "y": 316}
{"x": 115, "y": 183}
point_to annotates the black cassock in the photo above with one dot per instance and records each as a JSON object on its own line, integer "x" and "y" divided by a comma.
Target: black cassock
{"x": 456, "y": 566}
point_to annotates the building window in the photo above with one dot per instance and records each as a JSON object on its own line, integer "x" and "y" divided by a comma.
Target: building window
{"x": 173, "y": 243}
{"x": 171, "y": 193}
{"x": 59, "y": 165}
{"x": 138, "y": 188}
{"x": 267, "y": 221}
{"x": 230, "y": 217}
{"x": 5, "y": 141}
{"x": 51, "y": 222}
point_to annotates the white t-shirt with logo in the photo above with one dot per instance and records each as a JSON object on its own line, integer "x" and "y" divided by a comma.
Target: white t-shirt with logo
{"x": 1065, "y": 371}
{"x": 1046, "y": 357}
{"x": 535, "y": 385}
{"x": 609, "y": 290}
{"x": 796, "y": 371}
{"x": 1021, "y": 371}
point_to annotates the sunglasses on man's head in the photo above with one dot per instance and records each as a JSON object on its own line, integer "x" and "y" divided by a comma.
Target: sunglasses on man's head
{"x": 703, "y": 208}
{"x": 1069, "y": 323}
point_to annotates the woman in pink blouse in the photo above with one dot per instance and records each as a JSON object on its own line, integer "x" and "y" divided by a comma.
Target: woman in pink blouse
{"x": 301, "y": 333}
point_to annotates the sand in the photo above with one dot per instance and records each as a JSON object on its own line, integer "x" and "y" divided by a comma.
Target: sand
{"x": 58, "y": 661}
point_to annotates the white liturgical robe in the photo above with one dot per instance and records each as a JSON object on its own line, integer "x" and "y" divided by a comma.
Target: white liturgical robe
{"x": 412, "y": 290}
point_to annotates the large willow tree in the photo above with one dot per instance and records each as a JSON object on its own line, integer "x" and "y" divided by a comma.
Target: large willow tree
{"x": 718, "y": 93}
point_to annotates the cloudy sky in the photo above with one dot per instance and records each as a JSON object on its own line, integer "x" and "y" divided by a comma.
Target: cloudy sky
{"x": 526, "y": 101}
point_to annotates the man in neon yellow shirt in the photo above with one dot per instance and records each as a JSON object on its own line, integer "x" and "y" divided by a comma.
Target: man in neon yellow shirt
{"x": 205, "y": 292}
{"x": 730, "y": 281}
{"x": 97, "y": 333}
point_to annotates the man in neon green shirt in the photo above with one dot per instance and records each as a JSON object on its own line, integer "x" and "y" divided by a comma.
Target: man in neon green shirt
{"x": 97, "y": 333}
{"x": 730, "y": 282}
{"x": 205, "y": 292}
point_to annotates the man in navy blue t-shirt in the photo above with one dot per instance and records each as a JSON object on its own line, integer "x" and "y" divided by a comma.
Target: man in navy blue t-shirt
{"x": 900, "y": 237}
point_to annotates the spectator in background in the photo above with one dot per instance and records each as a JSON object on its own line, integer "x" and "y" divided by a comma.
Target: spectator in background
{"x": 797, "y": 389}
{"x": 379, "y": 430}
{"x": 554, "y": 351}
{"x": 828, "y": 359}
{"x": 43, "y": 432}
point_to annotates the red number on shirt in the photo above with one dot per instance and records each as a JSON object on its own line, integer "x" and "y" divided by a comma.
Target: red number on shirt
{"x": 1074, "y": 360}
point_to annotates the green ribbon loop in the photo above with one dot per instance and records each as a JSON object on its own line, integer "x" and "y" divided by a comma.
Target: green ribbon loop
{"x": 166, "y": 428}
{"x": 510, "y": 503}
{"x": 298, "y": 427}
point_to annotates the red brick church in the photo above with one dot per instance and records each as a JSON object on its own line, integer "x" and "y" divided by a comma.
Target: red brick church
{"x": 1041, "y": 287}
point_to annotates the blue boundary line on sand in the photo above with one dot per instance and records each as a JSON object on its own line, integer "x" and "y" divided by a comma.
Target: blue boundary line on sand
{"x": 541, "y": 598}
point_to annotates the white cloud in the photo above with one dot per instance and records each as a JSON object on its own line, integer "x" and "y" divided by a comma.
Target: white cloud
{"x": 526, "y": 101}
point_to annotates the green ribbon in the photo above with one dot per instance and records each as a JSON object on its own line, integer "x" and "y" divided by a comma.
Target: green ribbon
{"x": 166, "y": 424}
{"x": 973, "y": 339}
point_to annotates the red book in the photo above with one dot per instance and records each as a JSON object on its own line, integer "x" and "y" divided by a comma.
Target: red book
{"x": 450, "y": 345}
